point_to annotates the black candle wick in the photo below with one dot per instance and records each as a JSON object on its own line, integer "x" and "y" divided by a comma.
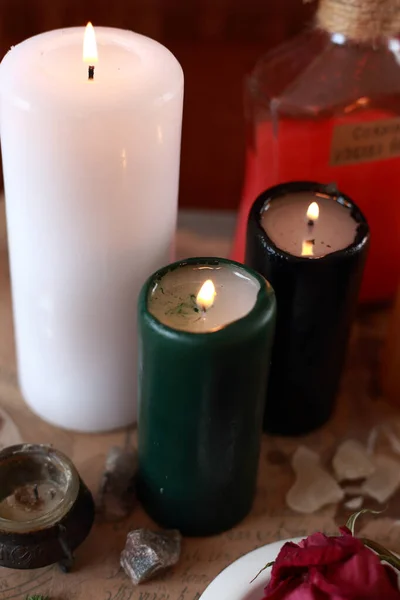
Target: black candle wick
{"x": 310, "y": 223}
{"x": 91, "y": 72}
{"x": 36, "y": 491}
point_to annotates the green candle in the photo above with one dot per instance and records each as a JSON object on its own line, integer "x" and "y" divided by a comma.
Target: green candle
{"x": 205, "y": 328}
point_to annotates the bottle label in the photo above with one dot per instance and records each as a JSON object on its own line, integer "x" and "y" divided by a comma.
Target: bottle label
{"x": 365, "y": 142}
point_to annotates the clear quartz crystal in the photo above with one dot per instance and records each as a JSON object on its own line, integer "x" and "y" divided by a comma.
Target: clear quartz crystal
{"x": 117, "y": 494}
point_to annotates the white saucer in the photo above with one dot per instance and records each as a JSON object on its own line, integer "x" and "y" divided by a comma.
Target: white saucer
{"x": 234, "y": 581}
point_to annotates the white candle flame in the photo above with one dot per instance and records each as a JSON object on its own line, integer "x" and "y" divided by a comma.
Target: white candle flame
{"x": 307, "y": 248}
{"x": 313, "y": 212}
{"x": 90, "y": 54}
{"x": 206, "y": 295}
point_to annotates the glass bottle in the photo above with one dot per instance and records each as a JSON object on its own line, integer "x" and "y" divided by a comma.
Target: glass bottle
{"x": 325, "y": 107}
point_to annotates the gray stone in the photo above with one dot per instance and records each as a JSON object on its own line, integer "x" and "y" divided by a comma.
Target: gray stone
{"x": 147, "y": 553}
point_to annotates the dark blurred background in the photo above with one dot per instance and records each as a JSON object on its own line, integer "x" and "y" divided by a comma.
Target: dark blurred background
{"x": 216, "y": 42}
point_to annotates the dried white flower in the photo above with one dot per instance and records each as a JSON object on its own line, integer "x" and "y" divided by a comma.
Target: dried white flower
{"x": 352, "y": 461}
{"x": 385, "y": 481}
{"x": 314, "y": 486}
{"x": 354, "y": 503}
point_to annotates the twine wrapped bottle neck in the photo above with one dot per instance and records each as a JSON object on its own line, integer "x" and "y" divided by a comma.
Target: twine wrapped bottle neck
{"x": 360, "y": 20}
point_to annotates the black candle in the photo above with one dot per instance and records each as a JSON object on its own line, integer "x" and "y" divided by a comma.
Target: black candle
{"x": 315, "y": 266}
{"x": 46, "y": 511}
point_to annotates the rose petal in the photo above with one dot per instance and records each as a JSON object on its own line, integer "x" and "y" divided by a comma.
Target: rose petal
{"x": 393, "y": 576}
{"x": 282, "y": 590}
{"x": 326, "y": 588}
{"x": 344, "y": 530}
{"x": 363, "y": 576}
{"x": 324, "y": 567}
{"x": 297, "y": 590}
{"x": 303, "y": 591}
{"x": 318, "y": 549}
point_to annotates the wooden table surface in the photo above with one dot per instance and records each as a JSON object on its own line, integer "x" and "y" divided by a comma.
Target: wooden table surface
{"x": 97, "y": 574}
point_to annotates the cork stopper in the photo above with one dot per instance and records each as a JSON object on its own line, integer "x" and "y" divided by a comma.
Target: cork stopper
{"x": 360, "y": 20}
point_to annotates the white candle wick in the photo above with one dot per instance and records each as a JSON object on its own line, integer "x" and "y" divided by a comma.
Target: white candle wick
{"x": 90, "y": 54}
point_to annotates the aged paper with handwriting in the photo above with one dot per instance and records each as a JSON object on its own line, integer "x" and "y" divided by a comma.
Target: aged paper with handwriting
{"x": 97, "y": 574}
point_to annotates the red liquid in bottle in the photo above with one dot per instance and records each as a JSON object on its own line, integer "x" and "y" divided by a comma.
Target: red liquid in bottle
{"x": 327, "y": 130}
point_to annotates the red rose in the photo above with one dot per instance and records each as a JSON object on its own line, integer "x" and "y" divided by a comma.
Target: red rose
{"x": 330, "y": 568}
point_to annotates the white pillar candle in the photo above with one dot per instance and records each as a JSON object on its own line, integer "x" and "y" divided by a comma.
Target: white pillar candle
{"x": 91, "y": 172}
{"x": 202, "y": 298}
{"x": 309, "y": 224}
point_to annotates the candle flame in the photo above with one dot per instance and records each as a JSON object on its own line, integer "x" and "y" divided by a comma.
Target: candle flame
{"x": 313, "y": 212}
{"x": 206, "y": 295}
{"x": 90, "y": 54}
{"x": 307, "y": 248}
